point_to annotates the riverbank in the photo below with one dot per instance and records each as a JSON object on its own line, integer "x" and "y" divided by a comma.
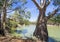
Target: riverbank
{"x": 53, "y": 31}
{"x": 15, "y": 39}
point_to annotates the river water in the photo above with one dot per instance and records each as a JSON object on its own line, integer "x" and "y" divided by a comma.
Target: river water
{"x": 27, "y": 31}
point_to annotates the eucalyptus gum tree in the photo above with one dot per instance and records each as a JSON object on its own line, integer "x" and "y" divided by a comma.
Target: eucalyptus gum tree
{"x": 3, "y": 9}
{"x": 41, "y": 28}
{"x": 4, "y": 16}
{"x": 7, "y": 5}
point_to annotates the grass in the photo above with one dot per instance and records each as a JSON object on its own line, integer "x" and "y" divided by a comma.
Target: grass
{"x": 54, "y": 32}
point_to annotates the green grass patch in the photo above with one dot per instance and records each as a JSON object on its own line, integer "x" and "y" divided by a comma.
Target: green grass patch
{"x": 54, "y": 32}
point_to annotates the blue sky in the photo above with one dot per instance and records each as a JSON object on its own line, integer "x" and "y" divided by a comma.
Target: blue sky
{"x": 34, "y": 11}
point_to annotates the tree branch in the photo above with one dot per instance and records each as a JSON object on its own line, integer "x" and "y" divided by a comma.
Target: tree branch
{"x": 36, "y": 4}
{"x": 53, "y": 13}
{"x": 47, "y": 3}
{"x": 42, "y": 3}
{"x": 11, "y": 11}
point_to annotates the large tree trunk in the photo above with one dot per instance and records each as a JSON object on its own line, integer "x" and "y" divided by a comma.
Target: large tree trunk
{"x": 1, "y": 29}
{"x": 41, "y": 28}
{"x": 0, "y": 20}
{"x": 4, "y": 18}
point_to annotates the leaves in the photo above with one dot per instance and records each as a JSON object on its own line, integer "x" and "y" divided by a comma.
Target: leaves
{"x": 56, "y": 18}
{"x": 56, "y": 2}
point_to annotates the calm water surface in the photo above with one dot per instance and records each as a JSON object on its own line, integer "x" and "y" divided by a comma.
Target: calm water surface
{"x": 27, "y": 31}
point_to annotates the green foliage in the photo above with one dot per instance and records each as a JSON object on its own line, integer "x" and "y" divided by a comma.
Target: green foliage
{"x": 15, "y": 19}
{"x": 18, "y": 16}
{"x": 11, "y": 3}
{"x": 56, "y": 2}
{"x": 11, "y": 24}
{"x": 21, "y": 18}
{"x": 28, "y": 14}
{"x": 56, "y": 19}
{"x": 26, "y": 22}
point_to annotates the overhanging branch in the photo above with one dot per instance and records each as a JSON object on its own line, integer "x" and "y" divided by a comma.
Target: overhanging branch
{"x": 11, "y": 10}
{"x": 53, "y": 13}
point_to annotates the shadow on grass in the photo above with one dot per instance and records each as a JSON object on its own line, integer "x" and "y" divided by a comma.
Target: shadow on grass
{"x": 52, "y": 40}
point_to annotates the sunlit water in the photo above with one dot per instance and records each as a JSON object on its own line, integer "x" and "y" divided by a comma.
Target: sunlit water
{"x": 27, "y": 31}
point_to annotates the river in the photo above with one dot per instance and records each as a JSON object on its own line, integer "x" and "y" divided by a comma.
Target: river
{"x": 27, "y": 31}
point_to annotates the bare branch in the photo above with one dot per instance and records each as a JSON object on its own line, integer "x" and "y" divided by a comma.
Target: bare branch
{"x": 36, "y": 4}
{"x": 42, "y": 3}
{"x": 11, "y": 10}
{"x": 53, "y": 13}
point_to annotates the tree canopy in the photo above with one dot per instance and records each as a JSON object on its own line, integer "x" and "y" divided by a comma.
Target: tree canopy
{"x": 56, "y": 2}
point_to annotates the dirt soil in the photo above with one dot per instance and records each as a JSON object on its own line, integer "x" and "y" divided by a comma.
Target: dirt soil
{"x": 14, "y": 39}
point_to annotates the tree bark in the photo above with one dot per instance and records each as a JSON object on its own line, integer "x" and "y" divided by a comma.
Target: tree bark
{"x": 41, "y": 28}
{"x": 0, "y": 20}
{"x": 1, "y": 29}
{"x": 4, "y": 18}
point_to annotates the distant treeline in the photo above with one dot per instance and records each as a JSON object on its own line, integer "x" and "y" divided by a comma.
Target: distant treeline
{"x": 49, "y": 23}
